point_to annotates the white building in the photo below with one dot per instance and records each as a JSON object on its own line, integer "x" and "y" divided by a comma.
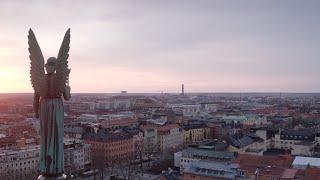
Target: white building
{"x": 248, "y": 120}
{"x": 187, "y": 109}
{"x": 304, "y": 162}
{"x": 121, "y": 103}
{"x": 104, "y": 105}
{"x": 170, "y": 137}
{"x": 177, "y": 159}
{"x": 210, "y": 107}
{"x": 87, "y": 118}
{"x": 77, "y": 155}
{"x": 188, "y": 156}
{"x": 19, "y": 164}
{"x": 22, "y": 164}
{"x": 300, "y": 142}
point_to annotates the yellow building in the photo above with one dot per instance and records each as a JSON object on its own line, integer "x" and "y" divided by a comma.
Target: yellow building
{"x": 195, "y": 132}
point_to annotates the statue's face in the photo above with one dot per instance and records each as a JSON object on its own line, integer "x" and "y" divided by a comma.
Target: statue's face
{"x": 51, "y": 65}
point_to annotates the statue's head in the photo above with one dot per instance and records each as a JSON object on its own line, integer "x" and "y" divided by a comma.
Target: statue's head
{"x": 51, "y": 65}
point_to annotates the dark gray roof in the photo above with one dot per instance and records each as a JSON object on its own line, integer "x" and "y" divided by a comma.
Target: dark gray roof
{"x": 292, "y": 132}
{"x": 207, "y": 153}
{"x": 214, "y": 170}
{"x": 193, "y": 126}
{"x": 106, "y": 135}
{"x": 243, "y": 141}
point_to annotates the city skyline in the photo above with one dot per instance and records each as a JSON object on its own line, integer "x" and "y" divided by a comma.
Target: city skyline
{"x": 210, "y": 46}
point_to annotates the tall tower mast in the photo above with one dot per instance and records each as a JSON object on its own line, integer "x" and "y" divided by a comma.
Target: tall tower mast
{"x": 182, "y": 89}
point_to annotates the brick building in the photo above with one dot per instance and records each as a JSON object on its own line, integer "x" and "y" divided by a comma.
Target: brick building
{"x": 111, "y": 147}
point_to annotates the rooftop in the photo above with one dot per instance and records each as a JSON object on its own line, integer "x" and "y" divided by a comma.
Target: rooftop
{"x": 289, "y": 173}
{"x": 292, "y": 132}
{"x": 212, "y": 169}
{"x": 244, "y": 140}
{"x": 207, "y": 153}
{"x": 306, "y": 161}
{"x": 168, "y": 127}
{"x": 194, "y": 126}
{"x": 265, "y": 161}
{"x": 311, "y": 173}
{"x": 106, "y": 135}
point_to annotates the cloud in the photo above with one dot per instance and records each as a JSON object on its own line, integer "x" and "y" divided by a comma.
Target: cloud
{"x": 208, "y": 45}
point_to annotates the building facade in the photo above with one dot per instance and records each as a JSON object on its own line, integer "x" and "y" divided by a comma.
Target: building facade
{"x": 184, "y": 158}
{"x": 170, "y": 137}
{"x": 195, "y": 133}
{"x": 299, "y": 142}
{"x": 110, "y": 147}
{"x": 77, "y": 155}
{"x": 20, "y": 164}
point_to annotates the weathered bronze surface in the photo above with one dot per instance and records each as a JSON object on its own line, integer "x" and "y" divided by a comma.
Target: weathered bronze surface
{"x": 49, "y": 88}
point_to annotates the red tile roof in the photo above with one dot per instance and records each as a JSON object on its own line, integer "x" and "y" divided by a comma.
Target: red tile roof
{"x": 264, "y": 161}
{"x": 289, "y": 173}
{"x": 266, "y": 165}
{"x": 168, "y": 127}
{"x": 312, "y": 174}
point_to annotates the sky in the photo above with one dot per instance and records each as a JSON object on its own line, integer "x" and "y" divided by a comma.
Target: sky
{"x": 155, "y": 46}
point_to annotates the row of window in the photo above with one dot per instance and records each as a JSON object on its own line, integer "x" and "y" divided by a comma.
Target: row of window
{"x": 295, "y": 137}
{"x": 19, "y": 164}
{"x": 286, "y": 142}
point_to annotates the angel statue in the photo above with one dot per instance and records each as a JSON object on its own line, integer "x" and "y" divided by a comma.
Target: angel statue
{"x": 48, "y": 104}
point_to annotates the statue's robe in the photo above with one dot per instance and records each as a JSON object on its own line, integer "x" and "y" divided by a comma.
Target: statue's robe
{"x": 51, "y": 114}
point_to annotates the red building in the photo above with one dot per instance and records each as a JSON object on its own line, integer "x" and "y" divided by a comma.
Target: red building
{"x": 110, "y": 147}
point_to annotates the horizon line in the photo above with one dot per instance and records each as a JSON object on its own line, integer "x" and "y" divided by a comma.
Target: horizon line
{"x": 191, "y": 92}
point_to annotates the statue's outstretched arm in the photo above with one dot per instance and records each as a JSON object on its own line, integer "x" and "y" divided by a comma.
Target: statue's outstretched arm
{"x": 66, "y": 93}
{"x": 36, "y": 103}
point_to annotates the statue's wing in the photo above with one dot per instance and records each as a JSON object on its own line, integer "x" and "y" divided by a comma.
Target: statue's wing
{"x": 37, "y": 73}
{"x": 62, "y": 70}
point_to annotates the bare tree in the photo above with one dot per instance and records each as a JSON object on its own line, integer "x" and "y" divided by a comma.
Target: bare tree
{"x": 98, "y": 162}
{"x": 139, "y": 152}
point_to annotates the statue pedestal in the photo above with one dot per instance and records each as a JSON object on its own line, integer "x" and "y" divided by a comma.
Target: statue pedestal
{"x": 42, "y": 177}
